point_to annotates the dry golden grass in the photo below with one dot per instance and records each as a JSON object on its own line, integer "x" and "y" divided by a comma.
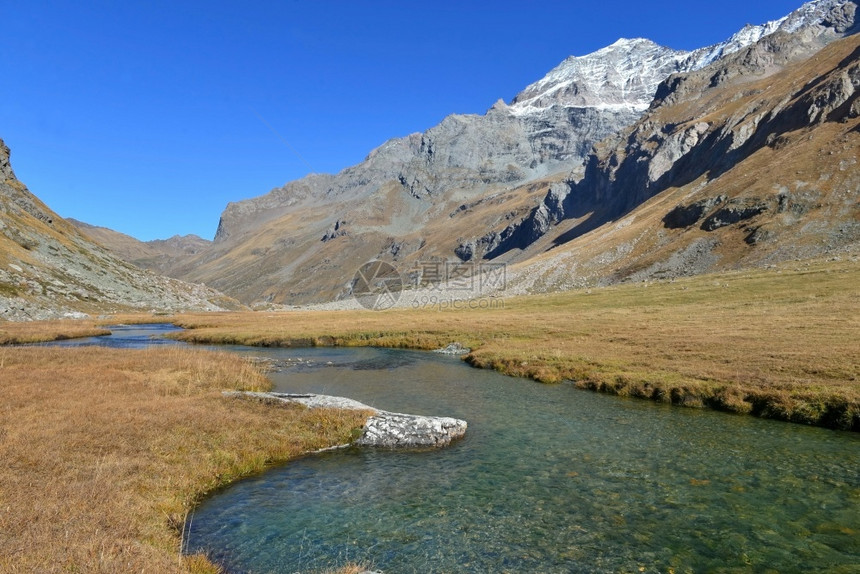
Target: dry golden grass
{"x": 348, "y": 569}
{"x": 105, "y": 452}
{"x": 14, "y": 333}
{"x": 778, "y": 343}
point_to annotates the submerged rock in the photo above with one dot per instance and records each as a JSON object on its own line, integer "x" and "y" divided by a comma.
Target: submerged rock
{"x": 383, "y": 429}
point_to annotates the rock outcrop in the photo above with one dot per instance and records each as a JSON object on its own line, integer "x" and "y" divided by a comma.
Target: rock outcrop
{"x": 383, "y": 429}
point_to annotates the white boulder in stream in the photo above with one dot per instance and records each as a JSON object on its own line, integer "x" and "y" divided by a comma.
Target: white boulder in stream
{"x": 383, "y": 428}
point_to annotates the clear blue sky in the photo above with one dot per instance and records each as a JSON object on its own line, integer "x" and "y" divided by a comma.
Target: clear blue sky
{"x": 149, "y": 117}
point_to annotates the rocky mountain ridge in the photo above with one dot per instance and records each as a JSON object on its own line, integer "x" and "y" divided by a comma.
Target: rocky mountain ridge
{"x": 626, "y": 74}
{"x": 598, "y": 141}
{"x": 549, "y": 127}
{"x": 760, "y": 170}
{"x": 656, "y": 154}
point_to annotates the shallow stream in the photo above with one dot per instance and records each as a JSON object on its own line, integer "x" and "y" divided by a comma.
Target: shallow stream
{"x": 548, "y": 479}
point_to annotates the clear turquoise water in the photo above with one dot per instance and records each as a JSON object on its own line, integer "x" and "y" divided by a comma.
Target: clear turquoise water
{"x": 548, "y": 479}
{"x": 125, "y": 337}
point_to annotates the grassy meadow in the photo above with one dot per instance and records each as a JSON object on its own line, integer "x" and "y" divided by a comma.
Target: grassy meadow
{"x": 779, "y": 343}
{"x": 19, "y": 333}
{"x": 106, "y": 452}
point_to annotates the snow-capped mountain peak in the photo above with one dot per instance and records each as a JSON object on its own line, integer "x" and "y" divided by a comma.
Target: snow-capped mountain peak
{"x": 625, "y": 74}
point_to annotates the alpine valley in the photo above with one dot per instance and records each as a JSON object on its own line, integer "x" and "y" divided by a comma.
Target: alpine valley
{"x": 632, "y": 163}
{"x": 49, "y": 269}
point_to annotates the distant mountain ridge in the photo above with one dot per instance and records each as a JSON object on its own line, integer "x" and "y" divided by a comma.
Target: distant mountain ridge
{"x": 157, "y": 254}
{"x": 48, "y": 269}
{"x": 549, "y": 127}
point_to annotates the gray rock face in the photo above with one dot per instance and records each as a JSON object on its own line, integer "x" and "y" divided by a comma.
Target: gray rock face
{"x": 549, "y": 127}
{"x": 6, "y": 172}
{"x": 337, "y": 230}
{"x": 384, "y": 429}
{"x": 15, "y": 195}
{"x": 464, "y": 152}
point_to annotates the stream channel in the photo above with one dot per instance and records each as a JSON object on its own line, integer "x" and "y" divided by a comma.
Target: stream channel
{"x": 549, "y": 478}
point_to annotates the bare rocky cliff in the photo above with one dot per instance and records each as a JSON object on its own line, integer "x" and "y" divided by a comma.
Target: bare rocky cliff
{"x": 48, "y": 269}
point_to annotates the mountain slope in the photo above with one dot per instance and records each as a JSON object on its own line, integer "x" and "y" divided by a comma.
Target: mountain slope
{"x": 48, "y": 269}
{"x": 758, "y": 167}
{"x": 157, "y": 255}
{"x": 634, "y": 165}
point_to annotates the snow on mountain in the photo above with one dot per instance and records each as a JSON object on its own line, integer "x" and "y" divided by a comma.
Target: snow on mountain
{"x": 747, "y": 36}
{"x": 625, "y": 75}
